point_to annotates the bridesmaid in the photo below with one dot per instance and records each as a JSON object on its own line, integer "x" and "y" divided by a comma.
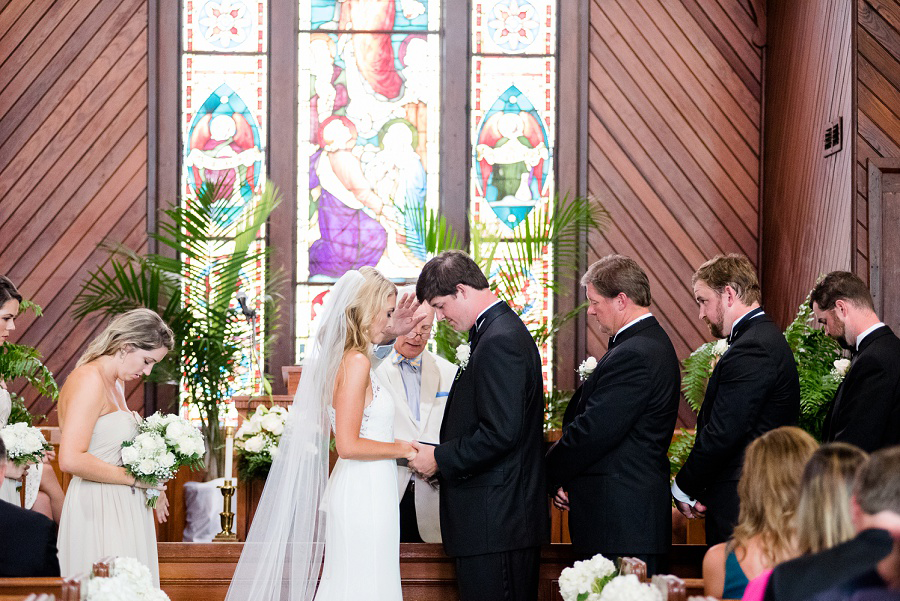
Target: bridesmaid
{"x": 49, "y": 500}
{"x": 103, "y": 514}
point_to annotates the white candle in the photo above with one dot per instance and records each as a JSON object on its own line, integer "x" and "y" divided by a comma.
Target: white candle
{"x": 229, "y": 451}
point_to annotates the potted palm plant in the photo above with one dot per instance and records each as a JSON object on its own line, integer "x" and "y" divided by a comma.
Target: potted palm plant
{"x": 211, "y": 247}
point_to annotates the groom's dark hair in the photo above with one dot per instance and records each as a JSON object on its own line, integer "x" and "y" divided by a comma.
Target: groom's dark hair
{"x": 443, "y": 273}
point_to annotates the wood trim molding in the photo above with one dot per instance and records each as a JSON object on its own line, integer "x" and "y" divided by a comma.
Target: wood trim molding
{"x": 876, "y": 169}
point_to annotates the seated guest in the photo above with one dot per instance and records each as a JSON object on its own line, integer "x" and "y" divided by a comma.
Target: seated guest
{"x": 419, "y": 382}
{"x": 823, "y": 514}
{"x": 766, "y": 530}
{"x": 866, "y": 407}
{"x": 28, "y": 541}
{"x": 865, "y": 565}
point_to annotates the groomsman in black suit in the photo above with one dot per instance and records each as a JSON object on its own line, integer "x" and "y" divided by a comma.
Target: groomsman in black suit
{"x": 490, "y": 458}
{"x": 866, "y": 408}
{"x": 753, "y": 388}
{"x": 28, "y": 541}
{"x": 610, "y": 468}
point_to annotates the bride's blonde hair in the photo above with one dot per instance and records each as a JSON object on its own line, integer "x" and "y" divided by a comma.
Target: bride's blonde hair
{"x": 137, "y": 329}
{"x": 362, "y": 311}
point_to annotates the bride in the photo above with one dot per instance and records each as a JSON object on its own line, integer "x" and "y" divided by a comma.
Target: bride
{"x": 355, "y": 517}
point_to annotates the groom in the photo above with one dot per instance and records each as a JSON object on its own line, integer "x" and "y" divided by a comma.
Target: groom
{"x": 493, "y": 510}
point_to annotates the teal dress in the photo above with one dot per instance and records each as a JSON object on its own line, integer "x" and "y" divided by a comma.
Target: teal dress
{"x": 735, "y": 579}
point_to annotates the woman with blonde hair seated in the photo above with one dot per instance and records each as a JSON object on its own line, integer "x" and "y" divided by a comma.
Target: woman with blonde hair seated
{"x": 766, "y": 531}
{"x": 823, "y": 511}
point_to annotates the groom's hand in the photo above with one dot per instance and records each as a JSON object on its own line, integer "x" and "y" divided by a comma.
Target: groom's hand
{"x": 424, "y": 462}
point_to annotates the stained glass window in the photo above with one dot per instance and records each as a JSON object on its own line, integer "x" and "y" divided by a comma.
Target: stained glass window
{"x": 224, "y": 101}
{"x": 369, "y": 86}
{"x": 513, "y": 132}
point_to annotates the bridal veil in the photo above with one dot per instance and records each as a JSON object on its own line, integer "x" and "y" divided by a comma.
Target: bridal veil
{"x": 284, "y": 549}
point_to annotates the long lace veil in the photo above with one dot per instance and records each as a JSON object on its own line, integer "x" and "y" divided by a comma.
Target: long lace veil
{"x": 283, "y": 552}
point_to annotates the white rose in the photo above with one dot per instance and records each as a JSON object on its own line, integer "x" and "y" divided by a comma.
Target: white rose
{"x": 273, "y": 423}
{"x": 629, "y": 588}
{"x": 129, "y": 455}
{"x": 255, "y": 444}
{"x": 251, "y": 427}
{"x": 167, "y": 460}
{"x": 147, "y": 466}
{"x": 720, "y": 347}
{"x": 463, "y": 351}
{"x": 258, "y": 415}
{"x": 841, "y": 366}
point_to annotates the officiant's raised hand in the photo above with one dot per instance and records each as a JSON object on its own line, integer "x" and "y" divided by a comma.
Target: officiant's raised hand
{"x": 424, "y": 463}
{"x": 404, "y": 318}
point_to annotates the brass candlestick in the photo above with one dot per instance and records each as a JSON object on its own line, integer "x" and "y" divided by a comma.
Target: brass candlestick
{"x": 227, "y": 516}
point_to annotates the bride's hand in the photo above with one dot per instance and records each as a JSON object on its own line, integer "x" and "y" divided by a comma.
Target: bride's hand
{"x": 17, "y": 472}
{"x": 407, "y": 451}
{"x": 162, "y": 508}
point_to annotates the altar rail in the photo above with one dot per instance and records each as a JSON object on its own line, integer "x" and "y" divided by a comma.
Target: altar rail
{"x": 203, "y": 571}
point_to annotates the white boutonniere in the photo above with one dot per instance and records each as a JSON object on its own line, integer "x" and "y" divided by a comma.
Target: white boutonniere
{"x": 587, "y": 367}
{"x": 463, "y": 351}
{"x": 720, "y": 347}
{"x": 841, "y": 366}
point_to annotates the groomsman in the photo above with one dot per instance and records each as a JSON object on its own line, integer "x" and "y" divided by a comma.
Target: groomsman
{"x": 493, "y": 506}
{"x": 419, "y": 382}
{"x": 610, "y": 468}
{"x": 753, "y": 388}
{"x": 866, "y": 407}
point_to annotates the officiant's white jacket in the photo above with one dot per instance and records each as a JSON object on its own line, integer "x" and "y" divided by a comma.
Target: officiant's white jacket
{"x": 437, "y": 377}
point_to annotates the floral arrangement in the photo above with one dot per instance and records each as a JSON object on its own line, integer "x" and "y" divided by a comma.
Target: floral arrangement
{"x": 129, "y": 579}
{"x": 257, "y": 441}
{"x": 586, "y": 580}
{"x": 628, "y": 588}
{"x": 587, "y": 367}
{"x": 24, "y": 443}
{"x": 164, "y": 443}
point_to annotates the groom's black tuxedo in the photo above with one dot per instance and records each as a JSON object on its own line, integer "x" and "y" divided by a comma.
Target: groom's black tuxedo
{"x": 866, "y": 408}
{"x": 612, "y": 457}
{"x": 754, "y": 388}
{"x": 490, "y": 458}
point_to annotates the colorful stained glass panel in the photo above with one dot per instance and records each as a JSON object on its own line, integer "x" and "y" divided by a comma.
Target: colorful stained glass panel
{"x": 225, "y": 26}
{"x": 514, "y": 27}
{"x": 370, "y": 15}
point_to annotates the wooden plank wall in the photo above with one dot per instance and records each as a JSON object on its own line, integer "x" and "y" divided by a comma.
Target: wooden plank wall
{"x": 674, "y": 143}
{"x": 73, "y": 158}
{"x": 807, "y": 197}
{"x": 878, "y": 104}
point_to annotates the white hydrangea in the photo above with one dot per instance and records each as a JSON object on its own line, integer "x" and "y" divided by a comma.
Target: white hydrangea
{"x": 629, "y": 588}
{"x": 580, "y": 578}
{"x": 129, "y": 579}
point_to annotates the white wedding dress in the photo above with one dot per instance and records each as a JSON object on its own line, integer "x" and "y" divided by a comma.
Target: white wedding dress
{"x": 362, "y": 519}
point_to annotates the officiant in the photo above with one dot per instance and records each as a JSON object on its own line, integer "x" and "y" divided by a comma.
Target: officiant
{"x": 419, "y": 382}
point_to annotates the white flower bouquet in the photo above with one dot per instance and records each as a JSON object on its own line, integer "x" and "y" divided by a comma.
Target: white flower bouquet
{"x": 164, "y": 443}
{"x": 587, "y": 367}
{"x": 629, "y": 588}
{"x": 129, "y": 579}
{"x": 24, "y": 443}
{"x": 257, "y": 441}
{"x": 585, "y": 580}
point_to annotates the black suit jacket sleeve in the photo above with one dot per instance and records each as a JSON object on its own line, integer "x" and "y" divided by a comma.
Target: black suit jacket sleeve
{"x": 868, "y": 402}
{"x": 50, "y": 565}
{"x": 746, "y": 375}
{"x": 500, "y": 410}
{"x": 610, "y": 413}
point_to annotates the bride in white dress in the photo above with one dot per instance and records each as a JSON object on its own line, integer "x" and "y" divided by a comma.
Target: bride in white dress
{"x": 355, "y": 518}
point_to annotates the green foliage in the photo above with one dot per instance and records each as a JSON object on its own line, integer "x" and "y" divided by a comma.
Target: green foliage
{"x": 21, "y": 361}
{"x": 254, "y": 465}
{"x": 695, "y": 373}
{"x": 815, "y": 354}
{"x": 679, "y": 450}
{"x": 191, "y": 287}
{"x": 20, "y": 413}
{"x": 555, "y": 403}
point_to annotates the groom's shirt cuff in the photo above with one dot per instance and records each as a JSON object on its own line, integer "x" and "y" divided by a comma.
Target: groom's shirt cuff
{"x": 680, "y": 495}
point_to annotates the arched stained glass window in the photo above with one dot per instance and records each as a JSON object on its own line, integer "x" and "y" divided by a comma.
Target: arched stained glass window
{"x": 224, "y": 105}
{"x": 512, "y": 121}
{"x": 369, "y": 92}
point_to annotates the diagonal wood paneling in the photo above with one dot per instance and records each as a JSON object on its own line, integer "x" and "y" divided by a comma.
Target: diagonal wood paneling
{"x": 674, "y": 143}
{"x": 73, "y": 158}
{"x": 807, "y": 204}
{"x": 878, "y": 104}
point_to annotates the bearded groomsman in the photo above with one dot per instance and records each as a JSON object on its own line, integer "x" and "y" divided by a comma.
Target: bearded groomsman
{"x": 866, "y": 407}
{"x": 753, "y": 388}
{"x": 419, "y": 381}
{"x": 610, "y": 468}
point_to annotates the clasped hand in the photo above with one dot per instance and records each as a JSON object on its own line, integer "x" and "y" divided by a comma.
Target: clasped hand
{"x": 423, "y": 462}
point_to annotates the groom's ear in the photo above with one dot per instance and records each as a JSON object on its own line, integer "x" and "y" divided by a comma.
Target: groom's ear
{"x": 461, "y": 291}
